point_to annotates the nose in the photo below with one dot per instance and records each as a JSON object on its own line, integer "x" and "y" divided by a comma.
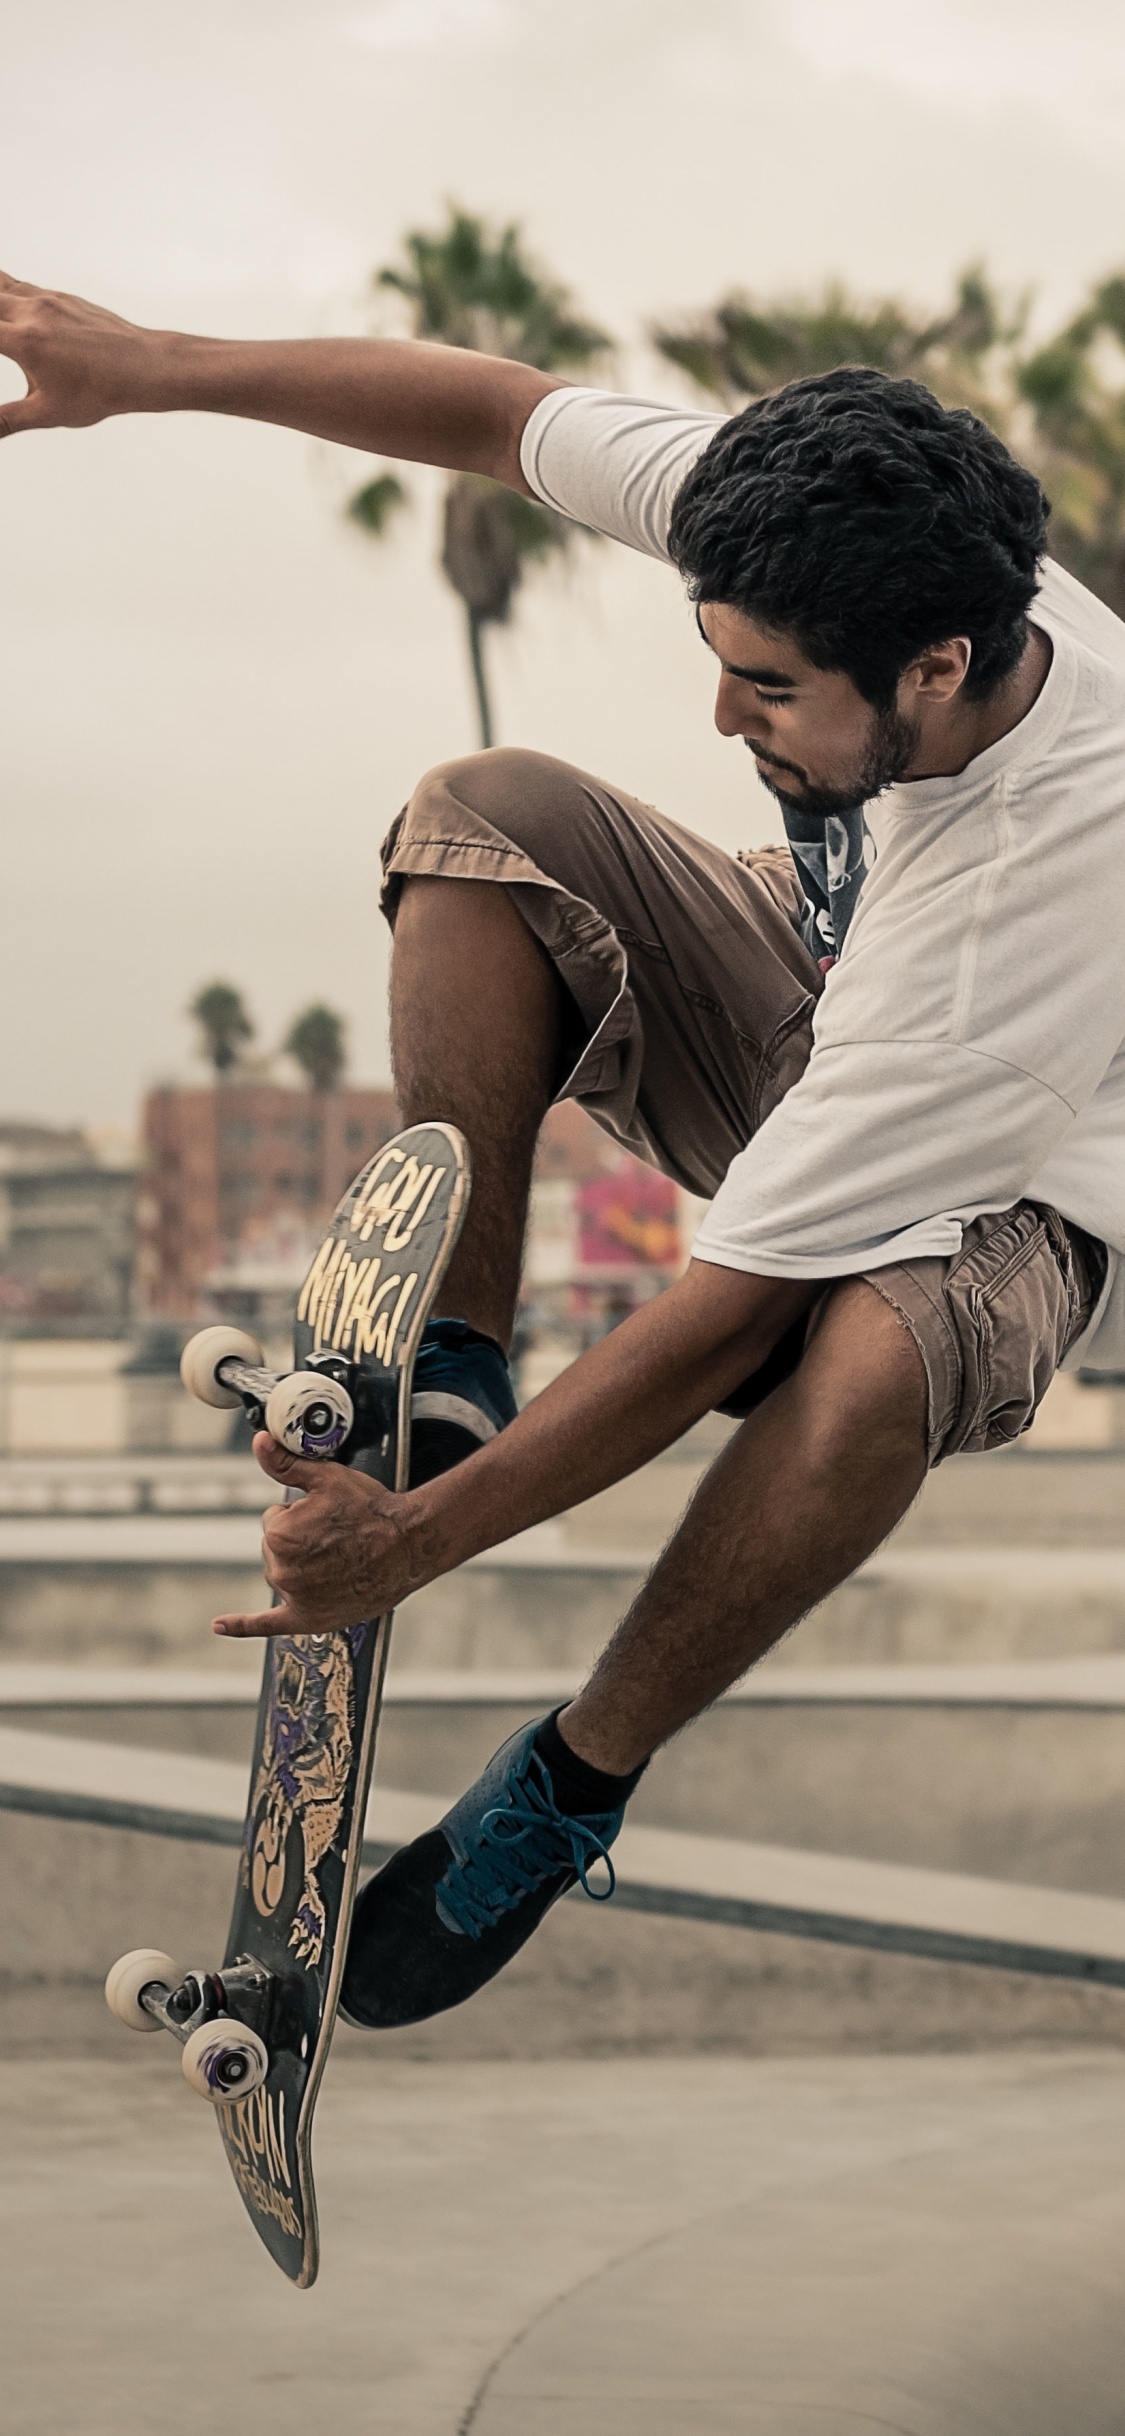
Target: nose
{"x": 736, "y": 712}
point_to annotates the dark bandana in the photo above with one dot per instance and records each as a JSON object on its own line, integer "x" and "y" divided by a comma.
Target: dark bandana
{"x": 831, "y": 858}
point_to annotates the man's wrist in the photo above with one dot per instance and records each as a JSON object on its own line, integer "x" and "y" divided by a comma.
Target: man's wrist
{"x": 454, "y": 1517}
{"x": 177, "y": 372}
{"x": 422, "y": 1522}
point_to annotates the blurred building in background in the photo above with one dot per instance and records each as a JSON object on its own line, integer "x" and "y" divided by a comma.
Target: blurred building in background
{"x": 67, "y": 1257}
{"x": 238, "y": 1176}
{"x": 106, "y": 1265}
{"x": 67, "y": 1244}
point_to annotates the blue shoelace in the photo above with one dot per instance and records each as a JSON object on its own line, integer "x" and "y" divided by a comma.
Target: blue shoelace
{"x": 520, "y": 1844}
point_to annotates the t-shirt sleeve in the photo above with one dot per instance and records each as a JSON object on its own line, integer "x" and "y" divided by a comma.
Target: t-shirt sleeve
{"x": 613, "y": 463}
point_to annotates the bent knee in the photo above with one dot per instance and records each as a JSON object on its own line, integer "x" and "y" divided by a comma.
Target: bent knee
{"x": 863, "y": 1369}
{"x": 508, "y": 796}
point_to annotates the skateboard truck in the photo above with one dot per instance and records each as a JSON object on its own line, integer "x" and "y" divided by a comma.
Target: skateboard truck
{"x": 310, "y": 1411}
{"x": 212, "y": 2016}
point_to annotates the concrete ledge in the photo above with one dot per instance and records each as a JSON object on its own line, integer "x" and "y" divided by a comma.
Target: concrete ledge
{"x": 925, "y": 1913}
{"x": 1008, "y": 1772}
{"x": 173, "y": 1483}
{"x": 143, "y": 1687}
{"x": 1096, "y": 1684}
{"x": 59, "y": 1540}
{"x": 142, "y": 1586}
{"x": 844, "y": 1901}
{"x": 209, "y": 1538}
{"x": 186, "y": 1480}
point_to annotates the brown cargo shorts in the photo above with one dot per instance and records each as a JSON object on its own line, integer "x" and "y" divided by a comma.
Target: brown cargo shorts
{"x": 693, "y": 996}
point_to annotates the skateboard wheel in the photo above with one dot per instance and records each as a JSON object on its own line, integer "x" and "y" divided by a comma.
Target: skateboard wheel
{"x": 309, "y": 1414}
{"x": 222, "y": 2061}
{"x": 141, "y": 1969}
{"x": 203, "y": 1353}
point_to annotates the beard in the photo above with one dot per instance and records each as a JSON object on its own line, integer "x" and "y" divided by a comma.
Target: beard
{"x": 891, "y": 747}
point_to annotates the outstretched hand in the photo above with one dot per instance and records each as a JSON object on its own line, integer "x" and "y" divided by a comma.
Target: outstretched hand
{"x": 80, "y": 363}
{"x": 339, "y": 1556}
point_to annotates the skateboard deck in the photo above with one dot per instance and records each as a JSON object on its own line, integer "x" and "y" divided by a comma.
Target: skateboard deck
{"x": 365, "y": 1298}
{"x": 360, "y": 1314}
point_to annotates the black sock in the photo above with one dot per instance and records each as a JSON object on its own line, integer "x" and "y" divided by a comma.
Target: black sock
{"x": 579, "y": 1788}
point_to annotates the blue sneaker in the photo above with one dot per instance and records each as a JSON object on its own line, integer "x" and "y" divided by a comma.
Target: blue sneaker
{"x": 449, "y": 1910}
{"x": 462, "y": 1397}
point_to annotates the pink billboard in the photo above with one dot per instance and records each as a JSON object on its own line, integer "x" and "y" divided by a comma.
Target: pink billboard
{"x": 628, "y": 1220}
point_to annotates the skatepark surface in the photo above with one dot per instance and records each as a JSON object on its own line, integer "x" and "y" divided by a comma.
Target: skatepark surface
{"x": 678, "y": 2173}
{"x": 687, "y": 2246}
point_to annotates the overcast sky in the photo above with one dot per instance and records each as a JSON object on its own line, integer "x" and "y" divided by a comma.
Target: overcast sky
{"x": 215, "y": 695}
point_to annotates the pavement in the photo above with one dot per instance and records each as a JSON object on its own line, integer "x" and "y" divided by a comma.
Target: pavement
{"x": 690, "y": 2246}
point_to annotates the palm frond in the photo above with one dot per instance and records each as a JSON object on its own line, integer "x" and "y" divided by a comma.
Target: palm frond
{"x": 472, "y": 286}
{"x": 377, "y": 503}
{"x": 1056, "y": 397}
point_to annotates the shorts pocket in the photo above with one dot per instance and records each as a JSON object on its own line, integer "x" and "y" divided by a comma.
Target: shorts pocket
{"x": 1012, "y": 1323}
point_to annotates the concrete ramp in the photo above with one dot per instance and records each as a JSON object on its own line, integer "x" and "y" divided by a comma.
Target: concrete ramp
{"x": 975, "y": 2291}
{"x": 932, "y": 2246}
{"x": 826, "y": 1896}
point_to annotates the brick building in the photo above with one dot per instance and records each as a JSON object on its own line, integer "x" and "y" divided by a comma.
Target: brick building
{"x": 238, "y": 1177}
{"x": 243, "y": 1169}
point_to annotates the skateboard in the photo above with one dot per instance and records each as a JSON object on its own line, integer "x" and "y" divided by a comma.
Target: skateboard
{"x": 255, "y": 2033}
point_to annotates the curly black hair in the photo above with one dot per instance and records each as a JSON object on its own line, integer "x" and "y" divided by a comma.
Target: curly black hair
{"x": 859, "y": 515}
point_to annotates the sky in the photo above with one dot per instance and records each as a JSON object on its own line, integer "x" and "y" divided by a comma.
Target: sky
{"x": 215, "y": 694}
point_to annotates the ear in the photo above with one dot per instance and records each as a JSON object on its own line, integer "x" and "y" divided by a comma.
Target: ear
{"x": 938, "y": 674}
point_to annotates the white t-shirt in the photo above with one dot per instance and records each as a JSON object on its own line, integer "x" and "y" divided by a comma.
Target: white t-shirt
{"x": 969, "y": 1048}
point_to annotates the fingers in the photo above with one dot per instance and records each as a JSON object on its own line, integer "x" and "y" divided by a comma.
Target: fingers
{"x": 262, "y": 1627}
{"x": 17, "y": 414}
{"x": 333, "y": 1556}
{"x": 14, "y": 295}
{"x": 287, "y": 1558}
{"x": 22, "y": 414}
{"x": 293, "y": 1471}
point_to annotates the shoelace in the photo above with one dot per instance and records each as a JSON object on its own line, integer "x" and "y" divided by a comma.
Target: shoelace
{"x": 521, "y": 1843}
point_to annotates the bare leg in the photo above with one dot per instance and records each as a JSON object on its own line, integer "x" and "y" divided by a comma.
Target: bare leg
{"x": 812, "y": 1483}
{"x": 477, "y": 1021}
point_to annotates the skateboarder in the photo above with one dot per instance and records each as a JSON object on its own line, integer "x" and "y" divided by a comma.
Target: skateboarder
{"x": 892, "y": 1051}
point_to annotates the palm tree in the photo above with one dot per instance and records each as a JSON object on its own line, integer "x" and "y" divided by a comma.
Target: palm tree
{"x": 470, "y": 286}
{"x": 220, "y": 1012}
{"x": 316, "y": 1041}
{"x": 1059, "y": 404}
{"x": 741, "y": 348}
{"x": 1073, "y": 391}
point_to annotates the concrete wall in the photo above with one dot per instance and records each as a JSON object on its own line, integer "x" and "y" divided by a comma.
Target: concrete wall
{"x": 62, "y": 1393}
{"x": 1035, "y": 1795}
{"x": 72, "y": 1395}
{"x": 1005, "y": 1556}
{"x": 134, "y": 1615}
{"x": 901, "y": 1608}
{"x": 591, "y": 1982}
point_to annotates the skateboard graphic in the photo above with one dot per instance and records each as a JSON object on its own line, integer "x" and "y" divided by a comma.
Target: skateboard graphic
{"x": 255, "y": 2033}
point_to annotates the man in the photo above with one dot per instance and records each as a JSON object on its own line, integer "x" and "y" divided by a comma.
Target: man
{"x": 893, "y": 1053}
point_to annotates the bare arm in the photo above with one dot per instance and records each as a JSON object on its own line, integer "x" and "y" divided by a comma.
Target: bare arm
{"x": 437, "y": 405}
{"x": 351, "y": 1550}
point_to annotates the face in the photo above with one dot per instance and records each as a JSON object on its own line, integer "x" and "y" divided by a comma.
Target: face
{"x": 818, "y": 744}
